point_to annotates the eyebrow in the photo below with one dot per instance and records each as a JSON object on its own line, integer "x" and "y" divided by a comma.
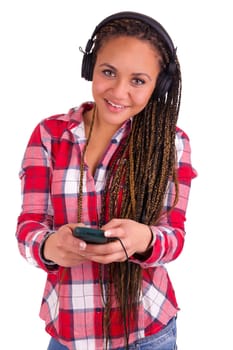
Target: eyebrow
{"x": 133, "y": 74}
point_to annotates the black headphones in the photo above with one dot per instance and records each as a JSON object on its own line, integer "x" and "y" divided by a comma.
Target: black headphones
{"x": 165, "y": 78}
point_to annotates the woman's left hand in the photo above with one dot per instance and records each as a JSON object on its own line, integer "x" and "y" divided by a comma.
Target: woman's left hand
{"x": 135, "y": 237}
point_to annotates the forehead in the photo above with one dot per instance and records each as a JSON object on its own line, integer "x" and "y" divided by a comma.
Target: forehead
{"x": 119, "y": 45}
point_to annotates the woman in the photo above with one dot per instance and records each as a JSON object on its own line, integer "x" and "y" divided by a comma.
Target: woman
{"x": 119, "y": 163}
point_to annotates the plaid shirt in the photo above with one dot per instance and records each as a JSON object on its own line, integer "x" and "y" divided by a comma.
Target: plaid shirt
{"x": 73, "y": 309}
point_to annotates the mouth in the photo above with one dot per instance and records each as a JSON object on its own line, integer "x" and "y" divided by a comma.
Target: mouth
{"x": 114, "y": 105}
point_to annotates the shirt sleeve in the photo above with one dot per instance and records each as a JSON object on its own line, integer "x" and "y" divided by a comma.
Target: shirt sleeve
{"x": 169, "y": 233}
{"x": 36, "y": 219}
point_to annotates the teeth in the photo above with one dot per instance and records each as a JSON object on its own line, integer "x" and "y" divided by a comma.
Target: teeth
{"x": 114, "y": 105}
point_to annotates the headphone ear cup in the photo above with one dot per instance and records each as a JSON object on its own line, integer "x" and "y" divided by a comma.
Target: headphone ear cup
{"x": 163, "y": 85}
{"x": 165, "y": 80}
{"x": 87, "y": 66}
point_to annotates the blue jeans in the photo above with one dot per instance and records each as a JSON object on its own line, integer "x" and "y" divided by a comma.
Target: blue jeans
{"x": 163, "y": 340}
{"x": 55, "y": 345}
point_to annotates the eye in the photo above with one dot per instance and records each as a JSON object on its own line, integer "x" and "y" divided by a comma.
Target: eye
{"x": 109, "y": 73}
{"x": 138, "y": 81}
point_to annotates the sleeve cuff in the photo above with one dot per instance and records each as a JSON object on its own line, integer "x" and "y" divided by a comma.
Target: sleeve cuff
{"x": 147, "y": 253}
{"x": 49, "y": 264}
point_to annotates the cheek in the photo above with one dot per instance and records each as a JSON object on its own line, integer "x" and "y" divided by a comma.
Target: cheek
{"x": 98, "y": 86}
{"x": 143, "y": 98}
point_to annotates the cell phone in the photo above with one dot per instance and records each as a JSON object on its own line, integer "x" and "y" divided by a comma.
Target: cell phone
{"x": 91, "y": 235}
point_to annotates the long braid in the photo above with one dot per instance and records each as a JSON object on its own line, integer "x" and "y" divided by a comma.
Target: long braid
{"x": 139, "y": 172}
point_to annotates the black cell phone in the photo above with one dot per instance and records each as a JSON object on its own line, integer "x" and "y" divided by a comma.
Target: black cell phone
{"x": 91, "y": 235}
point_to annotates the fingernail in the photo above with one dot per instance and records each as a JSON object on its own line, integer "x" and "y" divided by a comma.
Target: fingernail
{"x": 82, "y": 245}
{"x": 107, "y": 233}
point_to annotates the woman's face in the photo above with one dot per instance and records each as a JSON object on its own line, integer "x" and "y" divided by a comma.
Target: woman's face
{"x": 124, "y": 78}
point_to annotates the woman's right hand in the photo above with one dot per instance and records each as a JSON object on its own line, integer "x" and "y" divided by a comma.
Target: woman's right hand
{"x": 63, "y": 248}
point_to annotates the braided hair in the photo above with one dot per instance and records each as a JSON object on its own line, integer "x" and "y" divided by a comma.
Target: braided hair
{"x": 141, "y": 168}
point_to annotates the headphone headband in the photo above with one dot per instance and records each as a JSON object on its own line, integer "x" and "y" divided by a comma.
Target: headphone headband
{"x": 137, "y": 16}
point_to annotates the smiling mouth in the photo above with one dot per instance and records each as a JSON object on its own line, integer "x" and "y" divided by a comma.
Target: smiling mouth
{"x": 115, "y": 105}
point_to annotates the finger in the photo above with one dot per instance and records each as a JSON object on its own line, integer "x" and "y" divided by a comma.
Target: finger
{"x": 114, "y": 232}
{"x": 107, "y": 259}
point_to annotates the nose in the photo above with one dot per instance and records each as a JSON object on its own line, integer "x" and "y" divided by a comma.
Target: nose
{"x": 120, "y": 88}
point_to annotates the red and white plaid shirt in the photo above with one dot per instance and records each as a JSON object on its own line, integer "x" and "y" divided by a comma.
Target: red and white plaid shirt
{"x": 50, "y": 181}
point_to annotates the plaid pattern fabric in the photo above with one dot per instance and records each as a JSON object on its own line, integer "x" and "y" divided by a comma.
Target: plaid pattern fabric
{"x": 50, "y": 181}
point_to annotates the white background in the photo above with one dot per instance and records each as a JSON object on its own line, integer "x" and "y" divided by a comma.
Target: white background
{"x": 40, "y": 76}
